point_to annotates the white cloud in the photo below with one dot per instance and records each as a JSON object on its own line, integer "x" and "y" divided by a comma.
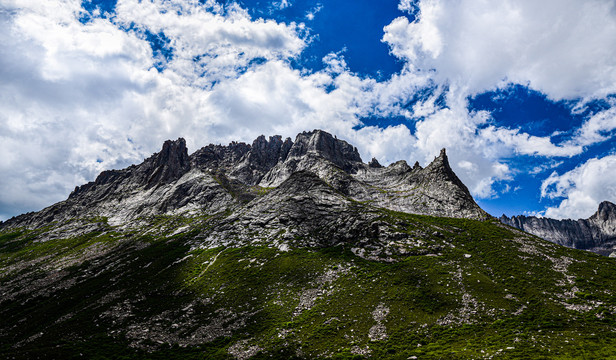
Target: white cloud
{"x": 406, "y": 6}
{"x": 311, "y": 14}
{"x": 73, "y": 94}
{"x": 526, "y": 144}
{"x": 583, "y": 188}
{"x": 369, "y": 141}
{"x": 563, "y": 48}
{"x": 335, "y": 63}
{"x": 545, "y": 167}
{"x": 282, "y": 4}
{"x": 211, "y": 46}
{"x": 596, "y": 129}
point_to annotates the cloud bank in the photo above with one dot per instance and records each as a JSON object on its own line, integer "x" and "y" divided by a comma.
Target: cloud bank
{"x": 563, "y": 48}
{"x": 582, "y": 188}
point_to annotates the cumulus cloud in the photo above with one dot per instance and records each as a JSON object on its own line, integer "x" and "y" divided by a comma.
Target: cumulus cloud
{"x": 406, "y": 6}
{"x": 582, "y": 188}
{"x": 598, "y": 128}
{"x": 561, "y": 48}
{"x": 474, "y": 156}
{"x": 210, "y": 42}
{"x": 51, "y": 69}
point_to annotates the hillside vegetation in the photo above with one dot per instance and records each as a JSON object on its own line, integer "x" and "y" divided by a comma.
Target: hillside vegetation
{"x": 459, "y": 288}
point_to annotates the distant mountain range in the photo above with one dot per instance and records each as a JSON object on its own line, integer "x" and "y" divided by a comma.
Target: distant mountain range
{"x": 597, "y": 233}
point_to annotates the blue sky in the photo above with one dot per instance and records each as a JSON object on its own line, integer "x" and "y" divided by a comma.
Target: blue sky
{"x": 521, "y": 93}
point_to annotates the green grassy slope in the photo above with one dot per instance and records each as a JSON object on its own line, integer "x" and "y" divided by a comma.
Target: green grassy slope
{"x": 463, "y": 289}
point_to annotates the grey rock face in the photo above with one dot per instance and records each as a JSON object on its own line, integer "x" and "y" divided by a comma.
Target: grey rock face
{"x": 434, "y": 190}
{"x": 263, "y": 156}
{"x": 597, "y": 233}
{"x": 164, "y": 183}
{"x": 165, "y": 167}
{"x": 170, "y": 164}
{"x": 318, "y": 152}
{"x": 213, "y": 157}
{"x": 238, "y": 177}
{"x": 296, "y": 208}
{"x": 323, "y": 144}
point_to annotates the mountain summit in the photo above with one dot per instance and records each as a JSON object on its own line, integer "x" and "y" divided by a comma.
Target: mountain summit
{"x": 217, "y": 177}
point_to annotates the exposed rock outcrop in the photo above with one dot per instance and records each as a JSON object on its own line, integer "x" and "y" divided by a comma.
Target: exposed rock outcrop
{"x": 263, "y": 156}
{"x": 213, "y": 157}
{"x": 597, "y": 233}
{"x": 318, "y": 152}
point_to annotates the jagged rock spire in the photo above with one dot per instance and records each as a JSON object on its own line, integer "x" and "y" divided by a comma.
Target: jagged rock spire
{"x": 440, "y": 165}
{"x": 263, "y": 155}
{"x": 163, "y": 167}
{"x": 169, "y": 164}
{"x": 374, "y": 163}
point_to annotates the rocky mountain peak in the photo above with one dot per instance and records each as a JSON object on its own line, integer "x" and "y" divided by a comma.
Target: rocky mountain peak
{"x": 161, "y": 168}
{"x": 169, "y": 164}
{"x": 173, "y": 151}
{"x": 441, "y": 160}
{"x": 285, "y": 148}
{"x": 606, "y": 212}
{"x": 263, "y": 155}
{"x": 323, "y": 144}
{"x": 440, "y": 170}
{"x": 218, "y": 177}
{"x": 214, "y": 157}
{"x": 267, "y": 152}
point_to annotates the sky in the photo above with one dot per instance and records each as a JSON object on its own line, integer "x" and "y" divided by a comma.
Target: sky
{"x": 521, "y": 93}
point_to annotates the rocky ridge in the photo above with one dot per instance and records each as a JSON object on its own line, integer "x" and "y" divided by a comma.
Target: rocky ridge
{"x": 596, "y": 234}
{"x": 215, "y": 178}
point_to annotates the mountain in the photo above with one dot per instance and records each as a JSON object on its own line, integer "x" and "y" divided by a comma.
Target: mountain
{"x": 286, "y": 249}
{"x": 597, "y": 233}
{"x": 217, "y": 177}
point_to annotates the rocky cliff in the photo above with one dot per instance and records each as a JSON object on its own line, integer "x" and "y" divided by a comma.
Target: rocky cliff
{"x": 597, "y": 233}
{"x": 218, "y": 177}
